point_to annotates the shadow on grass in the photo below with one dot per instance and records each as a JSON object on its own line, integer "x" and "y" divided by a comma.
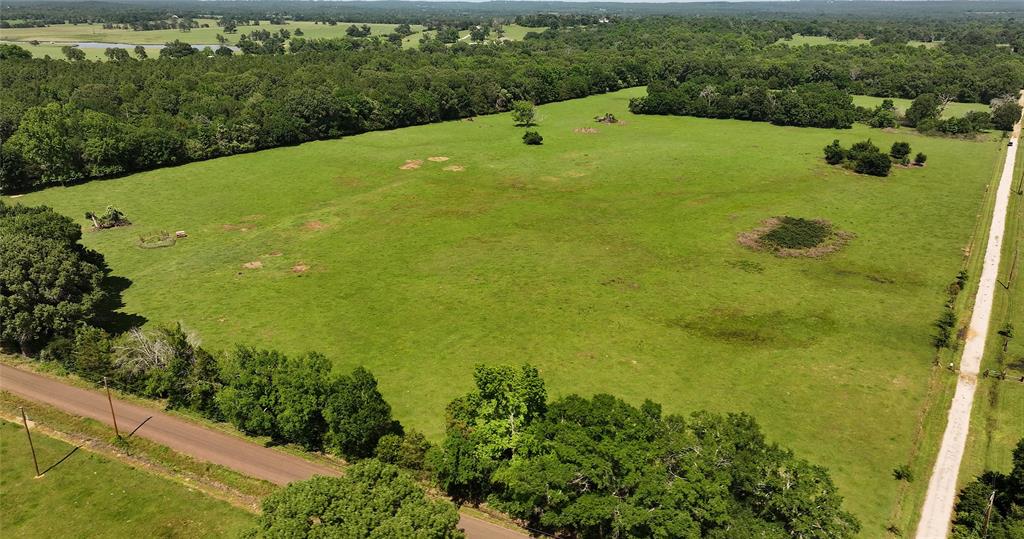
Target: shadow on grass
{"x": 59, "y": 462}
{"x": 108, "y": 315}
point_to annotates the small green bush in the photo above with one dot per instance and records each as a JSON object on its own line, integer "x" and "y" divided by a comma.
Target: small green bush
{"x": 797, "y": 233}
{"x": 920, "y": 159}
{"x": 903, "y": 473}
{"x": 532, "y": 138}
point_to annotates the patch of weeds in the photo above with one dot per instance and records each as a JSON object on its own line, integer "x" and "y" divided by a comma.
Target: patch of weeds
{"x": 903, "y": 473}
{"x": 797, "y": 233}
{"x": 775, "y": 328}
{"x": 748, "y": 266}
{"x": 795, "y": 236}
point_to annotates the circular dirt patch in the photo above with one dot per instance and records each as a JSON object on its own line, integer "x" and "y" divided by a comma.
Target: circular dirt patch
{"x": 438, "y": 159}
{"x": 255, "y": 264}
{"x": 412, "y": 164}
{"x": 299, "y": 268}
{"x": 454, "y": 168}
{"x": 795, "y": 236}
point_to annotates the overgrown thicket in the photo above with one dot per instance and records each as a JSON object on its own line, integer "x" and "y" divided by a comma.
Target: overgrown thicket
{"x": 63, "y": 122}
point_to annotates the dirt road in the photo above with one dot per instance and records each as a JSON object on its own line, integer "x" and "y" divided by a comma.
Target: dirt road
{"x": 192, "y": 439}
{"x": 938, "y": 504}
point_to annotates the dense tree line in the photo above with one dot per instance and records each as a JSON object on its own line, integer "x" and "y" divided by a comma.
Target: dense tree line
{"x": 62, "y": 122}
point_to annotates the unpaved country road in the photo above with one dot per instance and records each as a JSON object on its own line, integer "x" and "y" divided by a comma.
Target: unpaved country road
{"x": 193, "y": 439}
{"x": 938, "y": 503}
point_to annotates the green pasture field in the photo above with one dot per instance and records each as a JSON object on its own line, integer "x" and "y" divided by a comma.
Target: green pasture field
{"x": 951, "y": 110}
{"x": 202, "y": 36}
{"x": 54, "y": 51}
{"x": 91, "y": 495}
{"x": 610, "y": 260}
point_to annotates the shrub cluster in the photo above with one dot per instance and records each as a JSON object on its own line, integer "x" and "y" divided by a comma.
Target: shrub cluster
{"x": 797, "y": 233}
{"x": 866, "y": 158}
{"x": 1003, "y": 518}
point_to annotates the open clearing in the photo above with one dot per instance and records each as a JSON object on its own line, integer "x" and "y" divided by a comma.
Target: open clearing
{"x": 952, "y": 109}
{"x": 610, "y": 261}
{"x": 90, "y": 495}
{"x": 206, "y": 36}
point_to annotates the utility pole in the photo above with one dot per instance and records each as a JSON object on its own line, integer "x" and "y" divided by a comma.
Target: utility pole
{"x": 111, "y": 402}
{"x": 24, "y": 421}
{"x": 988, "y": 512}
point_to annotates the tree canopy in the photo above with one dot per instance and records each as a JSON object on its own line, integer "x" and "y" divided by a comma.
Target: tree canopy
{"x": 372, "y": 500}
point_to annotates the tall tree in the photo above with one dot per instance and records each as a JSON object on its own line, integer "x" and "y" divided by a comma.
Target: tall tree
{"x": 372, "y": 499}
{"x": 357, "y": 415}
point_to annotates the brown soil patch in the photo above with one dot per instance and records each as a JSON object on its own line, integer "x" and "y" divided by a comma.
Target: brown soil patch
{"x": 438, "y": 159}
{"x": 299, "y": 268}
{"x": 255, "y": 264}
{"x": 454, "y": 168}
{"x": 585, "y": 130}
{"x": 314, "y": 225}
{"x": 412, "y": 164}
{"x": 835, "y": 241}
{"x": 240, "y": 227}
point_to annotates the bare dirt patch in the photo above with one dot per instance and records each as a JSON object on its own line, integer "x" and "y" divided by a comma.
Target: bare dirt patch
{"x": 299, "y": 268}
{"x": 314, "y": 225}
{"x": 831, "y": 242}
{"x": 585, "y": 130}
{"x": 239, "y": 227}
{"x": 255, "y": 264}
{"x": 454, "y": 168}
{"x": 438, "y": 159}
{"x": 412, "y": 164}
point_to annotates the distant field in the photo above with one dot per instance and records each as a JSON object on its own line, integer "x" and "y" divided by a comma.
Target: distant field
{"x": 800, "y": 39}
{"x": 205, "y": 36}
{"x": 951, "y": 110}
{"x": 609, "y": 260}
{"x": 51, "y": 38}
{"x": 88, "y": 495}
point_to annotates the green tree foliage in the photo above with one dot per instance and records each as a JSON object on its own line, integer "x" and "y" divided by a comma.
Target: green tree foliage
{"x": 168, "y": 363}
{"x": 372, "y": 499}
{"x": 1006, "y": 113}
{"x": 266, "y": 393}
{"x": 900, "y": 150}
{"x": 177, "y": 49}
{"x": 523, "y": 113}
{"x": 487, "y": 426}
{"x": 49, "y": 283}
{"x": 249, "y": 399}
{"x": 140, "y": 52}
{"x": 920, "y": 159}
{"x": 673, "y": 477}
{"x": 408, "y": 451}
{"x": 924, "y": 108}
{"x": 357, "y": 415}
{"x": 532, "y": 138}
{"x": 73, "y": 54}
{"x": 863, "y": 157}
{"x": 92, "y": 354}
{"x": 117, "y": 54}
{"x": 834, "y": 153}
{"x": 873, "y": 164}
{"x": 1006, "y": 491}
{"x": 805, "y": 105}
{"x": 9, "y": 51}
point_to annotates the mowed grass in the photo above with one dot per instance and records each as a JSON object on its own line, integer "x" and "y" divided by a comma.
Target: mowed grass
{"x": 204, "y": 36}
{"x": 952, "y": 109}
{"x": 88, "y": 495}
{"x": 608, "y": 260}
